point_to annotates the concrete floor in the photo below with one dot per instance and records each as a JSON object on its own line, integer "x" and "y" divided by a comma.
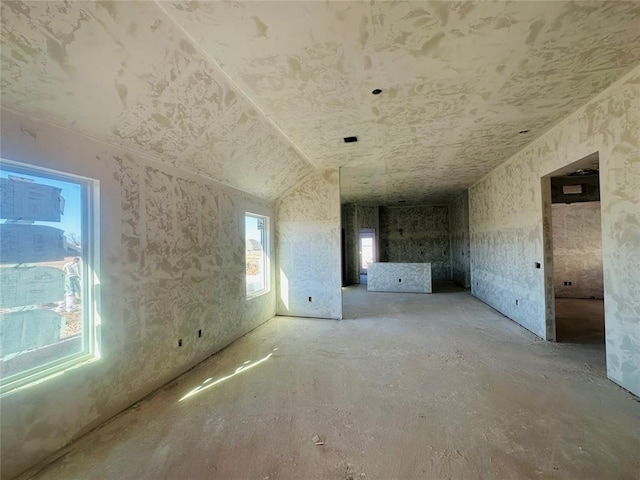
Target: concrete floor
{"x": 580, "y": 320}
{"x": 408, "y": 386}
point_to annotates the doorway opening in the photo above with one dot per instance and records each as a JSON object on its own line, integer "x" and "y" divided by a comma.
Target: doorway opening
{"x": 367, "y": 251}
{"x": 574, "y": 287}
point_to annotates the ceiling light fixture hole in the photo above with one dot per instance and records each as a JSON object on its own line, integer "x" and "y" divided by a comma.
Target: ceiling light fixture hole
{"x": 523, "y": 131}
{"x": 377, "y": 91}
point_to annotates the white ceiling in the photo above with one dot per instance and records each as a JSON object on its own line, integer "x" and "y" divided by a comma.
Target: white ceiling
{"x": 254, "y": 93}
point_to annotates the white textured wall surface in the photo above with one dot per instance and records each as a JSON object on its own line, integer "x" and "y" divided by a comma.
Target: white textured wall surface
{"x": 399, "y": 277}
{"x": 460, "y": 247}
{"x": 458, "y": 79}
{"x": 172, "y": 262}
{"x": 417, "y": 234}
{"x": 125, "y": 73}
{"x": 507, "y": 227}
{"x": 308, "y": 247}
{"x": 351, "y": 257}
{"x": 577, "y": 250}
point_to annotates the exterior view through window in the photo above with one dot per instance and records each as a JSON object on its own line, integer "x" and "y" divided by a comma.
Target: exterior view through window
{"x": 46, "y": 295}
{"x": 256, "y": 234}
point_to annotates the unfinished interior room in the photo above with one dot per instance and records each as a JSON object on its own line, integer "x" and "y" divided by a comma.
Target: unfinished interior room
{"x": 344, "y": 240}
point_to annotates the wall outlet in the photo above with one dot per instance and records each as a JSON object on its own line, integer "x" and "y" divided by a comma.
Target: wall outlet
{"x": 399, "y": 280}
{"x": 516, "y": 302}
{"x": 200, "y": 333}
{"x": 311, "y": 299}
{"x": 180, "y": 342}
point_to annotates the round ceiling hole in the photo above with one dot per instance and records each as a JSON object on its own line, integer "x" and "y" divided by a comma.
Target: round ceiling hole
{"x": 377, "y": 91}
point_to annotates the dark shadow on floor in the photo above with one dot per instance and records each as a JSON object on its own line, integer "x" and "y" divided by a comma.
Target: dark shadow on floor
{"x": 446, "y": 287}
{"x": 580, "y": 321}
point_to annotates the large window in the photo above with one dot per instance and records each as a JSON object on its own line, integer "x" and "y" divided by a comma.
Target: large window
{"x": 256, "y": 232}
{"x": 47, "y": 273}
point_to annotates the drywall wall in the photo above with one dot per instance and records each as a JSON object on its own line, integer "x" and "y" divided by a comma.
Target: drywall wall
{"x": 367, "y": 217}
{"x": 356, "y": 217}
{"x": 577, "y": 250}
{"x": 506, "y": 223}
{"x": 399, "y": 277}
{"x": 460, "y": 247}
{"x": 308, "y": 248}
{"x": 124, "y": 72}
{"x": 172, "y": 262}
{"x": 352, "y": 257}
{"x": 417, "y": 234}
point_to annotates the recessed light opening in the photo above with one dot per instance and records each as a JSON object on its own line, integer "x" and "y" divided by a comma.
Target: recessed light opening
{"x": 376, "y": 91}
{"x": 523, "y": 131}
{"x": 350, "y": 139}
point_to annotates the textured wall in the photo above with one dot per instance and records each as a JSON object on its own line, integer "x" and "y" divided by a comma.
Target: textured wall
{"x": 352, "y": 257}
{"x": 355, "y": 218}
{"x": 424, "y": 237}
{"x": 367, "y": 216}
{"x": 577, "y": 250}
{"x": 308, "y": 247}
{"x": 399, "y": 277}
{"x": 460, "y": 246}
{"x": 506, "y": 223}
{"x": 172, "y": 262}
{"x": 124, "y": 72}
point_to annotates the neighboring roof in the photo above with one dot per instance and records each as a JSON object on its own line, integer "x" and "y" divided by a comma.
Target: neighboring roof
{"x": 253, "y": 245}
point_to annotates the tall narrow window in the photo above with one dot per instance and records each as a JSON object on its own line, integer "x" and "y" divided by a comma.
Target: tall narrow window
{"x": 46, "y": 273}
{"x": 256, "y": 232}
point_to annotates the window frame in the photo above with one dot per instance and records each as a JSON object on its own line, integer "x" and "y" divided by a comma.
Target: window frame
{"x": 266, "y": 247}
{"x": 90, "y": 351}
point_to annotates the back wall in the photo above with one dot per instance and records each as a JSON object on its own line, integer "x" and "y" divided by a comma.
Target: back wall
{"x": 417, "y": 234}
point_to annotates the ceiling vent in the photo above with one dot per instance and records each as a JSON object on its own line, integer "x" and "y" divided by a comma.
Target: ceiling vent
{"x": 350, "y": 139}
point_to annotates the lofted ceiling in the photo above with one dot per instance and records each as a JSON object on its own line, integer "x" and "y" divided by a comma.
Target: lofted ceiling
{"x": 125, "y": 73}
{"x": 255, "y": 94}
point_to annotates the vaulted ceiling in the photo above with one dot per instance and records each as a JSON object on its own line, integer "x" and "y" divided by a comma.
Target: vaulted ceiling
{"x": 257, "y": 94}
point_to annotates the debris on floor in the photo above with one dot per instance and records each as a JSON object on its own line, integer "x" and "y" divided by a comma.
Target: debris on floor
{"x": 316, "y": 439}
{"x": 352, "y": 474}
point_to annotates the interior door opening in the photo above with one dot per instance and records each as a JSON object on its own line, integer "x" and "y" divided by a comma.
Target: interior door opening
{"x": 367, "y": 251}
{"x": 574, "y": 253}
